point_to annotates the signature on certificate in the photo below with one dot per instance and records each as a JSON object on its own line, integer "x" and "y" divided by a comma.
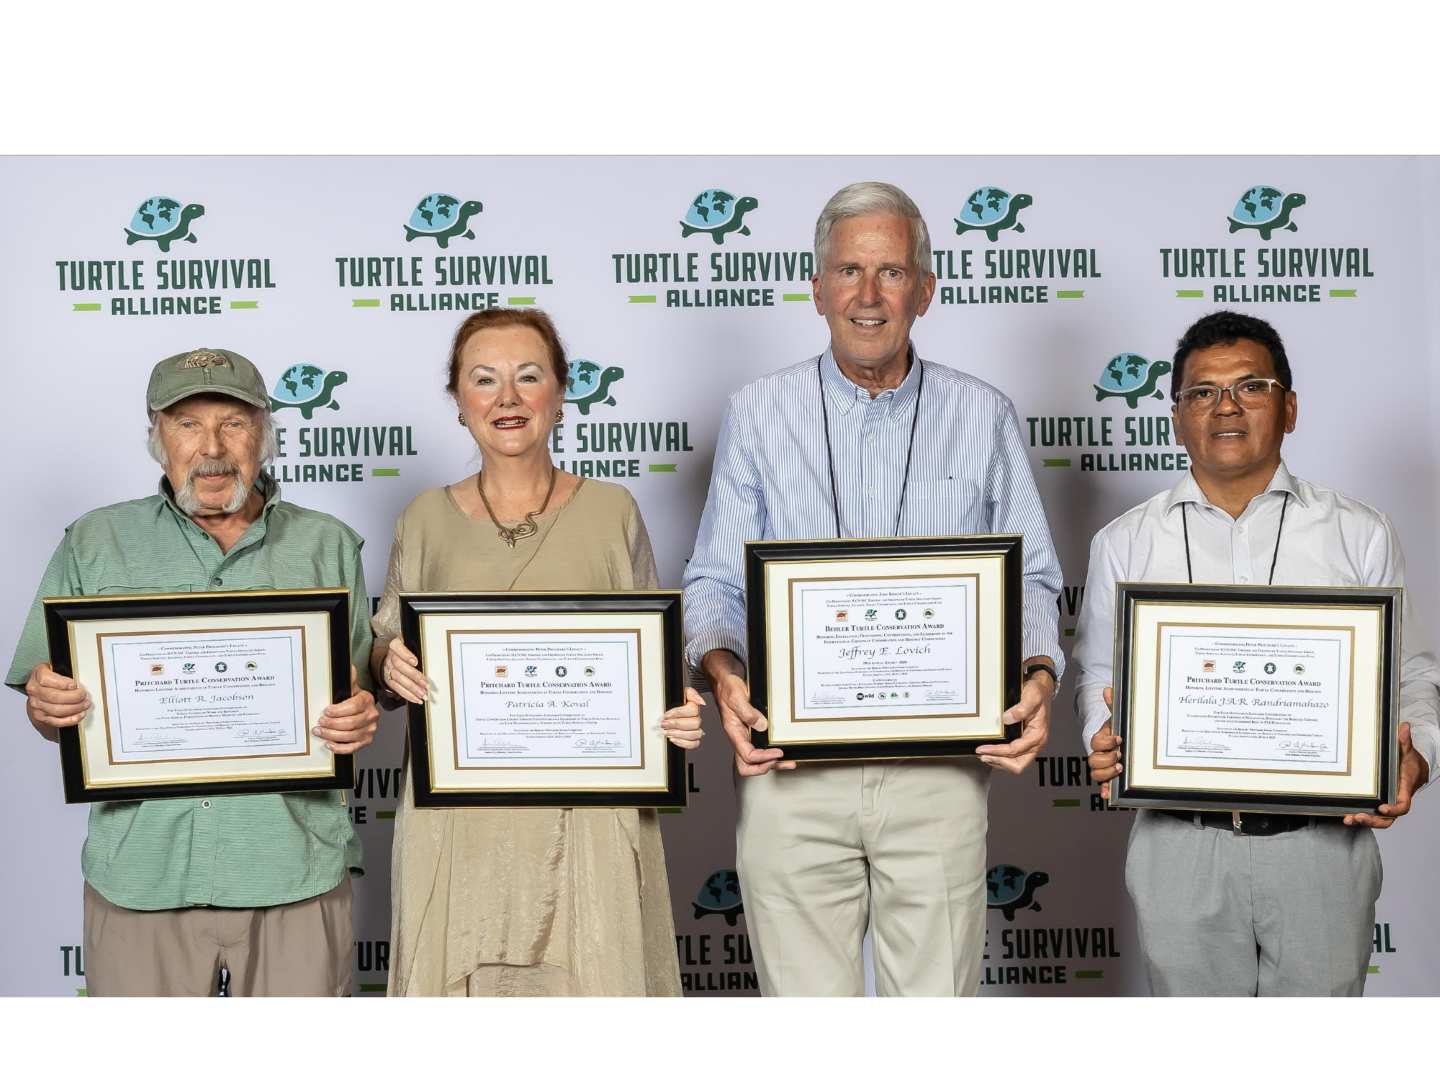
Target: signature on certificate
{"x": 1200, "y": 742}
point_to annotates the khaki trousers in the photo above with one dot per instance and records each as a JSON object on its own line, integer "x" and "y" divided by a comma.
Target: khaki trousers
{"x": 816, "y": 844}
{"x": 289, "y": 950}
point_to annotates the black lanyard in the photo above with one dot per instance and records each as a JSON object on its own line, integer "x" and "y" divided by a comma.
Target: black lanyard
{"x": 1185, "y": 524}
{"x": 830, "y": 452}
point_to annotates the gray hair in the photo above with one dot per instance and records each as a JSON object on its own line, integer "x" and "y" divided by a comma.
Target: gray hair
{"x": 269, "y": 447}
{"x": 871, "y": 197}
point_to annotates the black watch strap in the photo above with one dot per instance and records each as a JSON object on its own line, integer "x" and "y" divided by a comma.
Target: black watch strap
{"x": 1030, "y": 669}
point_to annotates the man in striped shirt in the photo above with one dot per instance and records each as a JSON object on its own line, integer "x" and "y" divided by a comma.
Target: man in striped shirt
{"x": 815, "y": 844}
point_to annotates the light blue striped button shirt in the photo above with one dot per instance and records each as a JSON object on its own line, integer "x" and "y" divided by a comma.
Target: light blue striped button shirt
{"x": 771, "y": 481}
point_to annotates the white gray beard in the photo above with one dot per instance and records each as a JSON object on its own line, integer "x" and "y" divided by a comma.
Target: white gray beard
{"x": 190, "y": 504}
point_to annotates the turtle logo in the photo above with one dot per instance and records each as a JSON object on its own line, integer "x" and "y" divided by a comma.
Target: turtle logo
{"x": 589, "y": 672}
{"x": 1265, "y": 209}
{"x": 717, "y": 212}
{"x": 307, "y": 388}
{"x": 188, "y": 669}
{"x": 561, "y": 671}
{"x": 501, "y": 670}
{"x": 929, "y": 613}
{"x": 991, "y": 210}
{"x": 1239, "y": 667}
{"x": 1209, "y": 665}
{"x": 251, "y": 665}
{"x": 221, "y": 666}
{"x": 1299, "y": 669}
{"x": 1130, "y": 376}
{"x": 720, "y": 895}
{"x": 589, "y": 384}
{"x": 531, "y": 671}
{"x": 1269, "y": 669}
{"x": 1009, "y": 889}
{"x": 900, "y": 614}
{"x": 843, "y": 615}
{"x": 871, "y": 614}
{"x": 163, "y": 220}
{"x": 157, "y": 669}
{"x": 440, "y": 217}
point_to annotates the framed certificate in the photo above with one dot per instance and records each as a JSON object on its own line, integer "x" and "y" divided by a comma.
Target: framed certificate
{"x": 201, "y": 693}
{"x": 545, "y": 698}
{"x": 884, "y": 648}
{"x": 1256, "y": 698}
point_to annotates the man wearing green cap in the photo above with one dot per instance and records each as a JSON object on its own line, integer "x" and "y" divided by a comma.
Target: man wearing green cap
{"x": 248, "y": 892}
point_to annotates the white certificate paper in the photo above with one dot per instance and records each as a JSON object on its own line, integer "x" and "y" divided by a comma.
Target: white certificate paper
{"x": 547, "y": 699}
{"x": 195, "y": 696}
{"x": 1242, "y": 697}
{"x": 887, "y": 647}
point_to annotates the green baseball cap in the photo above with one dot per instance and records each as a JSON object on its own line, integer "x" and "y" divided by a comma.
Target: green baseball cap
{"x": 205, "y": 371}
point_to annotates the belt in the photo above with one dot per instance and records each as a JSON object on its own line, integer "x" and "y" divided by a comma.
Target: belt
{"x": 1245, "y": 824}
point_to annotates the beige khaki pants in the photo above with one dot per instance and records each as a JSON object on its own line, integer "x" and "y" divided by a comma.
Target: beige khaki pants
{"x": 815, "y": 846}
{"x": 290, "y": 950}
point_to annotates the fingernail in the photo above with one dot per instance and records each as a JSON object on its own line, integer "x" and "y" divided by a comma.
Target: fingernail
{"x": 314, "y": 731}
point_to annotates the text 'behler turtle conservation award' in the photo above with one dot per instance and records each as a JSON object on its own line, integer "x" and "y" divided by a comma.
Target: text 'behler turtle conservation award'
{"x": 545, "y": 699}
{"x": 1256, "y": 698}
{"x": 902, "y": 647}
{"x": 202, "y": 693}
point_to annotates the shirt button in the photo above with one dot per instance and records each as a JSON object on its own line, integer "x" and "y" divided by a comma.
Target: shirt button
{"x": 871, "y": 493}
{"x": 1239, "y": 528}
{"x": 1244, "y": 578}
{"x": 205, "y": 805}
{"x": 219, "y": 581}
{"x": 870, "y": 437}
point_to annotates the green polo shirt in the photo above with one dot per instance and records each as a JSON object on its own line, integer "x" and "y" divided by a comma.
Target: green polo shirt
{"x": 241, "y": 850}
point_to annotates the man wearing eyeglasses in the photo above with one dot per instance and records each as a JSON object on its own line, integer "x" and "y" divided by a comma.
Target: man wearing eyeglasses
{"x": 1283, "y": 904}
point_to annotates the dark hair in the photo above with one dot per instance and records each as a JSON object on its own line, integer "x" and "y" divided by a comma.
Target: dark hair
{"x": 1226, "y": 328}
{"x": 499, "y": 318}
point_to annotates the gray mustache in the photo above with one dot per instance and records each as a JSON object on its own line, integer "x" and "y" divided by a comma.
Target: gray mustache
{"x": 214, "y": 467}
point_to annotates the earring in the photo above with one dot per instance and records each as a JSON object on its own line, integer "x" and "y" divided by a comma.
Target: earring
{"x": 462, "y": 419}
{"x": 559, "y": 414}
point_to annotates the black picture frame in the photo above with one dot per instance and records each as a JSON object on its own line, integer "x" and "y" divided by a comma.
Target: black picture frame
{"x": 759, "y": 553}
{"x": 1123, "y": 793}
{"x": 60, "y": 612}
{"x": 666, "y": 603}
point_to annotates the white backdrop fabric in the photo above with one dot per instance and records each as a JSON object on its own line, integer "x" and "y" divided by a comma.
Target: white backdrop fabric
{"x": 330, "y": 262}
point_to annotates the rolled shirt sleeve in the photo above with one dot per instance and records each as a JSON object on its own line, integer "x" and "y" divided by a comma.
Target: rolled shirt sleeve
{"x": 1015, "y": 507}
{"x": 1419, "y": 673}
{"x": 714, "y": 579}
{"x": 61, "y": 578}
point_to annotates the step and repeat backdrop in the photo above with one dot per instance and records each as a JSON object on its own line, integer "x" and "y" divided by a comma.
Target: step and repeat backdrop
{"x": 674, "y": 281}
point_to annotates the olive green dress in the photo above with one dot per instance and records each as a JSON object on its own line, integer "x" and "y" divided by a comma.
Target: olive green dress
{"x": 530, "y": 902}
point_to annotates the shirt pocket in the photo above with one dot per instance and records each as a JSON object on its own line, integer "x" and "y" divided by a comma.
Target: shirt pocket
{"x": 942, "y": 507}
{"x": 134, "y": 587}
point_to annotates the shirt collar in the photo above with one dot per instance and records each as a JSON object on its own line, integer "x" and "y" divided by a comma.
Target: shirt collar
{"x": 1188, "y": 489}
{"x": 266, "y": 484}
{"x": 846, "y": 395}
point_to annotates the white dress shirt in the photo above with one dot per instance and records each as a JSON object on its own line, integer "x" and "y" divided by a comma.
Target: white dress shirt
{"x": 1327, "y": 539}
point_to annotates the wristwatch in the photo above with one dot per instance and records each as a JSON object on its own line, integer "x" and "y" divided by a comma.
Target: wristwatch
{"x": 1030, "y": 669}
